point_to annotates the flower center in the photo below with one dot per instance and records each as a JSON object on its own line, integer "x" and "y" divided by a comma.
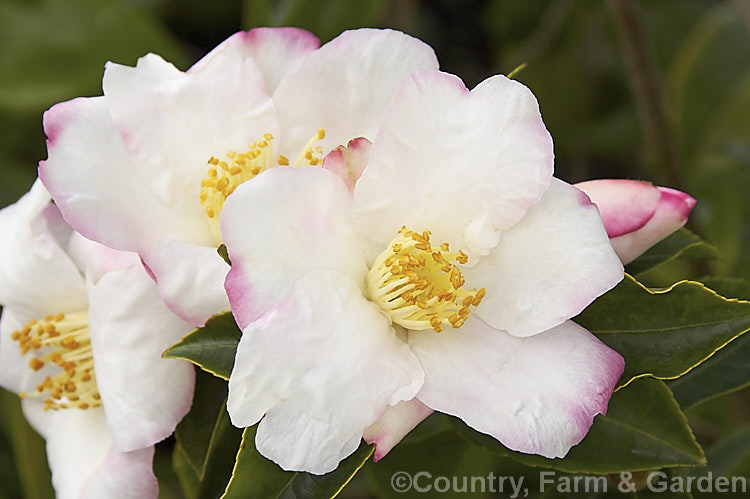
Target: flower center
{"x": 62, "y": 340}
{"x": 224, "y": 175}
{"x": 416, "y": 284}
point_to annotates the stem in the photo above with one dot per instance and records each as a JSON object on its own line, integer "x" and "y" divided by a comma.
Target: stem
{"x": 647, "y": 89}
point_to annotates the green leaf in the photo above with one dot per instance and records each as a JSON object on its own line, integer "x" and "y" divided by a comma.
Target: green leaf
{"x": 680, "y": 244}
{"x": 204, "y": 463}
{"x": 256, "y": 476}
{"x": 212, "y": 347}
{"x": 667, "y": 332}
{"x": 644, "y": 429}
{"x": 207, "y": 411}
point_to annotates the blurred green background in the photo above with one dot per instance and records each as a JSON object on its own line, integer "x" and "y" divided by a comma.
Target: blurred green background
{"x": 657, "y": 90}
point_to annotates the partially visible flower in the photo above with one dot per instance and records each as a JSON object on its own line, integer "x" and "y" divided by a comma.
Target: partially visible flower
{"x": 147, "y": 166}
{"x": 448, "y": 278}
{"x": 637, "y": 214}
{"x": 81, "y": 336}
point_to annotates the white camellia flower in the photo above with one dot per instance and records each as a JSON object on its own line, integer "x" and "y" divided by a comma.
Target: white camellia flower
{"x": 445, "y": 281}
{"x": 147, "y": 166}
{"x": 81, "y": 337}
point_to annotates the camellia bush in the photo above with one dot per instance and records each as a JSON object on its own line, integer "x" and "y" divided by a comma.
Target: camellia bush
{"x": 305, "y": 269}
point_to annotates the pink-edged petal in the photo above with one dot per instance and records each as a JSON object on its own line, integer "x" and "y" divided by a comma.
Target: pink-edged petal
{"x": 95, "y": 259}
{"x": 672, "y": 212}
{"x": 190, "y": 279}
{"x": 394, "y": 424}
{"x": 464, "y": 165}
{"x": 345, "y": 86}
{"x": 276, "y": 51}
{"x": 90, "y": 176}
{"x": 548, "y": 267}
{"x": 83, "y": 461}
{"x": 282, "y": 225}
{"x": 37, "y": 278}
{"x": 144, "y": 395}
{"x": 535, "y": 395}
{"x": 624, "y": 205}
{"x": 348, "y": 162}
{"x": 321, "y": 366}
{"x": 172, "y": 122}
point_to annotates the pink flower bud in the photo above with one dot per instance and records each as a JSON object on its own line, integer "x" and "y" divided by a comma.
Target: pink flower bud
{"x": 637, "y": 214}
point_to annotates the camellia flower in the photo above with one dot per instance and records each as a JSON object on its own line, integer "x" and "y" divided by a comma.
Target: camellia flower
{"x": 637, "y": 214}
{"x": 147, "y": 166}
{"x": 447, "y": 278}
{"x": 81, "y": 337}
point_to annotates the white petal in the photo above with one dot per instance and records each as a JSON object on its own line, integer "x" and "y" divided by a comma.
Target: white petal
{"x": 394, "y": 424}
{"x": 83, "y": 461}
{"x": 462, "y": 164}
{"x": 322, "y": 366}
{"x": 535, "y": 395}
{"x": 345, "y": 86}
{"x": 276, "y": 51}
{"x": 173, "y": 123}
{"x": 100, "y": 194}
{"x": 282, "y": 225}
{"x": 548, "y": 267}
{"x": 36, "y": 276}
{"x": 144, "y": 395}
{"x": 190, "y": 279}
{"x": 95, "y": 259}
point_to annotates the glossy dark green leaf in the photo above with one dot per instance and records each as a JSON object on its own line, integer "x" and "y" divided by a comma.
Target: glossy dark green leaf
{"x": 665, "y": 333}
{"x": 207, "y": 478}
{"x": 193, "y": 433}
{"x": 256, "y": 476}
{"x": 211, "y": 347}
{"x": 680, "y": 244}
{"x": 644, "y": 429}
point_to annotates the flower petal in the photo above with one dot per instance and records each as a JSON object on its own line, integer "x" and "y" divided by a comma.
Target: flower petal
{"x": 37, "y": 278}
{"x": 83, "y": 461}
{"x": 15, "y": 375}
{"x": 548, "y": 267}
{"x": 348, "y": 162}
{"x": 144, "y": 395}
{"x": 394, "y": 424}
{"x": 190, "y": 279}
{"x": 276, "y": 51}
{"x": 90, "y": 176}
{"x": 462, "y": 164}
{"x": 322, "y": 366}
{"x": 345, "y": 86}
{"x": 535, "y": 395}
{"x": 220, "y": 108}
{"x": 300, "y": 223}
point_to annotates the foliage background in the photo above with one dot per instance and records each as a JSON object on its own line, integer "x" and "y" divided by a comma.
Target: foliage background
{"x": 658, "y": 91}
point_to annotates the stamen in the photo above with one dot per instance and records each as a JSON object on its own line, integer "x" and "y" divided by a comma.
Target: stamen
{"x": 419, "y": 288}
{"x": 223, "y": 176}
{"x": 61, "y": 340}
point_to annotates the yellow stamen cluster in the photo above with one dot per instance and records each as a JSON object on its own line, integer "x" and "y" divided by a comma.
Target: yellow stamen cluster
{"x": 418, "y": 286}
{"x": 224, "y": 175}
{"x": 61, "y": 340}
